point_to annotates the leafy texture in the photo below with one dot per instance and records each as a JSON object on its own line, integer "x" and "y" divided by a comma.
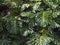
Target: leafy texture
{"x": 29, "y": 22}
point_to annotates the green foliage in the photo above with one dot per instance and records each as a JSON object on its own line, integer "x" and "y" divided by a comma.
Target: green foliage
{"x": 30, "y": 22}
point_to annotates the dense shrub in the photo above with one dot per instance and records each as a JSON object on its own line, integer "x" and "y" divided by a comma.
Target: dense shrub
{"x": 29, "y": 22}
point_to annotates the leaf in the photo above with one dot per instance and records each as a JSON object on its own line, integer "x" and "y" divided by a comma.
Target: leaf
{"x": 24, "y": 6}
{"x": 36, "y": 6}
{"x": 44, "y": 19}
{"x": 39, "y": 40}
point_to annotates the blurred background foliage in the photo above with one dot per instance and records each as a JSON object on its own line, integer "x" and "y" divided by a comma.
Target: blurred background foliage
{"x": 29, "y": 22}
